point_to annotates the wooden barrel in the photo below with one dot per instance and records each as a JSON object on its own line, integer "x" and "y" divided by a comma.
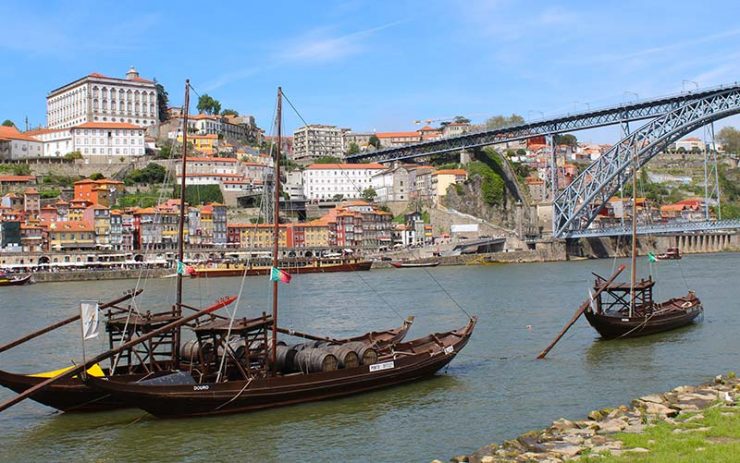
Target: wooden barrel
{"x": 346, "y": 356}
{"x": 313, "y": 360}
{"x": 286, "y": 359}
{"x": 238, "y": 348}
{"x": 365, "y": 352}
{"x": 190, "y": 350}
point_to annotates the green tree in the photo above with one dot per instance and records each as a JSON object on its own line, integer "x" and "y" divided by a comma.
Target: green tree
{"x": 369, "y": 194}
{"x": 229, "y": 112}
{"x": 337, "y": 197}
{"x": 328, "y": 160}
{"x": 97, "y": 176}
{"x": 566, "y": 139}
{"x": 208, "y": 105}
{"x": 498, "y": 122}
{"x": 163, "y": 101}
{"x": 353, "y": 148}
{"x": 461, "y": 120}
{"x": 165, "y": 151}
{"x": 374, "y": 141}
{"x": 8, "y": 123}
{"x": 728, "y": 137}
{"x": 153, "y": 173}
{"x": 72, "y": 155}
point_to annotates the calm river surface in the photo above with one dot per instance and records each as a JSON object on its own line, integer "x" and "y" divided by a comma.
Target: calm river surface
{"x": 494, "y": 390}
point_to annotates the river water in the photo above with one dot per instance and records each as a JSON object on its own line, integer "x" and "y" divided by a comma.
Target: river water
{"x": 494, "y": 390}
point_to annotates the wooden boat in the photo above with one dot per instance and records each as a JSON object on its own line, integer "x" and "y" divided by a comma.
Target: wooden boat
{"x": 627, "y": 310}
{"x": 14, "y": 281}
{"x": 610, "y": 313}
{"x": 181, "y": 395}
{"x": 414, "y": 264}
{"x": 670, "y": 254}
{"x": 316, "y": 267}
{"x": 73, "y": 395}
{"x": 239, "y": 366}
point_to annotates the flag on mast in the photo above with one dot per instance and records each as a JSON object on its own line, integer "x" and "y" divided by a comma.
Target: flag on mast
{"x": 183, "y": 269}
{"x": 89, "y": 319}
{"x": 651, "y": 257}
{"x": 277, "y": 274}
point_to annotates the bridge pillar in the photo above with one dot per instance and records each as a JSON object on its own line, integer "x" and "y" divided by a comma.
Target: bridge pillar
{"x": 464, "y": 157}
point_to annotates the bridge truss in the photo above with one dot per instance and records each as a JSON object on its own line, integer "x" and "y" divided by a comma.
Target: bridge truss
{"x": 575, "y": 208}
{"x": 640, "y": 110}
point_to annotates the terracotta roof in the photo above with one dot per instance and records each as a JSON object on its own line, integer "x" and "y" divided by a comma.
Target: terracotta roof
{"x": 31, "y": 191}
{"x": 450, "y": 172}
{"x": 208, "y": 159}
{"x": 17, "y": 178}
{"x": 11, "y": 133}
{"x": 345, "y": 166}
{"x": 397, "y": 135}
{"x": 71, "y": 225}
{"x": 107, "y": 125}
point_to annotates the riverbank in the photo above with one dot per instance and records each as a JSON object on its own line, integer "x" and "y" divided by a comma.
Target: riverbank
{"x": 688, "y": 423}
{"x": 92, "y": 275}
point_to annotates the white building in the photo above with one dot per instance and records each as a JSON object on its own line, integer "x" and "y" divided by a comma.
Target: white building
{"x": 98, "y": 98}
{"x": 111, "y": 139}
{"x": 315, "y": 140}
{"x": 16, "y": 145}
{"x": 325, "y": 181}
{"x": 56, "y": 143}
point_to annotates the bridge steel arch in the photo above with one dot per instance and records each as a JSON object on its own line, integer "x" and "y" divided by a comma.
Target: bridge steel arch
{"x": 578, "y": 205}
{"x": 601, "y": 117}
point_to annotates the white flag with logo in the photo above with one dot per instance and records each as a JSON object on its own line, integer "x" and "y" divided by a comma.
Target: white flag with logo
{"x": 89, "y": 318}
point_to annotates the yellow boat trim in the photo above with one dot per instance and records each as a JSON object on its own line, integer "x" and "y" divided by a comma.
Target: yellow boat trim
{"x": 94, "y": 370}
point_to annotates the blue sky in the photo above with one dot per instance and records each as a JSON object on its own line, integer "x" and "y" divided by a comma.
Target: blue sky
{"x": 376, "y": 65}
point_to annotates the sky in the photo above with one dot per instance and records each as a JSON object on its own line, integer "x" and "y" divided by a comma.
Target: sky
{"x": 376, "y": 65}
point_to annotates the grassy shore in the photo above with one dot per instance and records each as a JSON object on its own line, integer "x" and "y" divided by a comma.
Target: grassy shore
{"x": 710, "y": 436}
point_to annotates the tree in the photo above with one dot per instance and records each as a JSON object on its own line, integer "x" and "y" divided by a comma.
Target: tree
{"x": 337, "y": 197}
{"x": 97, "y": 176}
{"x": 566, "y": 139}
{"x": 208, "y": 105}
{"x": 461, "y": 120}
{"x": 163, "y": 101}
{"x": 728, "y": 137}
{"x": 8, "y": 123}
{"x": 374, "y": 141}
{"x": 498, "y": 122}
{"x": 72, "y": 155}
{"x": 328, "y": 160}
{"x": 369, "y": 194}
{"x": 229, "y": 112}
{"x": 153, "y": 173}
{"x": 353, "y": 148}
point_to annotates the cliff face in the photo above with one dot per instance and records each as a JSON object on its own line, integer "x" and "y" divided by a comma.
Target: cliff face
{"x": 468, "y": 198}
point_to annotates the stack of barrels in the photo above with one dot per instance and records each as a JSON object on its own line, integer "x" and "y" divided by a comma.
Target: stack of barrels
{"x": 321, "y": 356}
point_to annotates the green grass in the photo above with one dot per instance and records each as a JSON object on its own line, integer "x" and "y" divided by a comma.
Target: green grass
{"x": 721, "y": 443}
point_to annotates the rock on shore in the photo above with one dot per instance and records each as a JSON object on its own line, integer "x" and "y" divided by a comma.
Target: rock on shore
{"x": 567, "y": 440}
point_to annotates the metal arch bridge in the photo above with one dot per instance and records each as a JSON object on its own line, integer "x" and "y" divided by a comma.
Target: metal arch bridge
{"x": 640, "y": 110}
{"x": 669, "y": 228}
{"x": 575, "y": 208}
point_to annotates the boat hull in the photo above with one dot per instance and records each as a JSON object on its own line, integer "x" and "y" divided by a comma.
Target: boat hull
{"x": 73, "y": 395}
{"x": 414, "y": 265}
{"x": 15, "y": 281}
{"x": 256, "y": 271}
{"x": 245, "y": 396}
{"x": 68, "y": 394}
{"x": 617, "y": 326}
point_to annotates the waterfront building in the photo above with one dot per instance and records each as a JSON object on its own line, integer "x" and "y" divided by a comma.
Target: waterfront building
{"x": 100, "y": 217}
{"x": 347, "y": 181}
{"x": 313, "y": 141}
{"x": 358, "y": 224}
{"x": 256, "y": 235}
{"x": 31, "y": 203}
{"x": 314, "y": 234}
{"x": 32, "y": 237}
{"x": 116, "y": 230}
{"x": 71, "y": 235}
{"x": 98, "y": 98}
{"x": 10, "y": 234}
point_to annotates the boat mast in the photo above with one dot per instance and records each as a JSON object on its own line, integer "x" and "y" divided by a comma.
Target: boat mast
{"x": 177, "y": 309}
{"x": 635, "y": 168}
{"x": 276, "y": 224}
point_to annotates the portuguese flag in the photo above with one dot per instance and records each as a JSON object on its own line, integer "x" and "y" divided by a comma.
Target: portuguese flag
{"x": 279, "y": 275}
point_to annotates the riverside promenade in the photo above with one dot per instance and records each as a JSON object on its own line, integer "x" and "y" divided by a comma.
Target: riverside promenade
{"x": 696, "y": 423}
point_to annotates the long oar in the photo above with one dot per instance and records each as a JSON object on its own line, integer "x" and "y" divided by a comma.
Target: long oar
{"x": 71, "y": 372}
{"x": 580, "y": 311}
{"x": 67, "y": 321}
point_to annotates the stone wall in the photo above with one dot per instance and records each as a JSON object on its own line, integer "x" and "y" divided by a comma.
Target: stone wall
{"x": 620, "y": 246}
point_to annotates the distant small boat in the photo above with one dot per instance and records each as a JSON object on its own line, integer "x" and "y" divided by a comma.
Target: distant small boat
{"x": 14, "y": 281}
{"x": 414, "y": 264}
{"x": 670, "y": 254}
